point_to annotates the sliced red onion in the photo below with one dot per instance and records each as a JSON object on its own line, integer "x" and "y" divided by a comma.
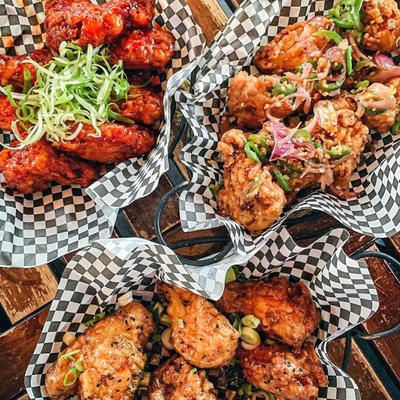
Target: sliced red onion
{"x": 307, "y": 68}
{"x": 381, "y": 104}
{"x": 384, "y": 75}
{"x": 335, "y": 54}
{"x": 300, "y": 97}
{"x": 293, "y": 77}
{"x": 383, "y": 61}
{"x": 282, "y": 141}
{"x": 357, "y": 54}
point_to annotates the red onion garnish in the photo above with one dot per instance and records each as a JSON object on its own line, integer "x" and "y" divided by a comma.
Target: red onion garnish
{"x": 384, "y": 75}
{"x": 307, "y": 68}
{"x": 383, "y": 61}
{"x": 336, "y": 54}
{"x": 357, "y": 54}
{"x": 381, "y": 104}
{"x": 282, "y": 141}
{"x": 300, "y": 96}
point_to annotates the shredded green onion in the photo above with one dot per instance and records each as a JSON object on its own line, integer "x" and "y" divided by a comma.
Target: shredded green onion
{"x": 71, "y": 376}
{"x": 73, "y": 89}
{"x": 69, "y": 355}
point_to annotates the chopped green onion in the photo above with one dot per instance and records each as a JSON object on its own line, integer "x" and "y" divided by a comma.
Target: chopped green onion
{"x": 395, "y": 129}
{"x": 280, "y": 88}
{"x": 339, "y": 151}
{"x": 251, "y": 321}
{"x": 27, "y": 81}
{"x": 230, "y": 275}
{"x": 120, "y": 118}
{"x": 215, "y": 188}
{"x": 69, "y": 355}
{"x": 269, "y": 341}
{"x": 247, "y": 388}
{"x": 165, "y": 320}
{"x": 250, "y": 336}
{"x": 98, "y": 317}
{"x": 252, "y": 151}
{"x": 303, "y": 133}
{"x": 145, "y": 382}
{"x": 336, "y": 67}
{"x": 79, "y": 364}
{"x": 236, "y": 322}
{"x": 329, "y": 87}
{"x": 362, "y": 84}
{"x": 370, "y": 111}
{"x": 70, "y": 377}
{"x": 253, "y": 189}
{"x": 156, "y": 310}
{"x": 281, "y": 180}
{"x": 331, "y": 35}
{"x": 193, "y": 370}
{"x": 349, "y": 61}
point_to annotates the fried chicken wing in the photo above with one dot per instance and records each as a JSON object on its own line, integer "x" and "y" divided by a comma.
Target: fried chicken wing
{"x": 111, "y": 354}
{"x": 200, "y": 334}
{"x": 381, "y": 25}
{"x": 288, "y": 374}
{"x": 84, "y": 23}
{"x": 116, "y": 143}
{"x": 178, "y": 380}
{"x": 249, "y": 195}
{"x": 285, "y": 309}
{"x": 144, "y": 49}
{"x": 33, "y": 167}
{"x": 7, "y": 114}
{"x": 12, "y": 68}
{"x": 143, "y": 105}
{"x": 293, "y": 46}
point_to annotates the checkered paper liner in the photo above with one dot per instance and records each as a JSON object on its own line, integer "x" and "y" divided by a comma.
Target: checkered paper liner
{"x": 40, "y": 227}
{"x": 375, "y": 212}
{"x": 97, "y": 276}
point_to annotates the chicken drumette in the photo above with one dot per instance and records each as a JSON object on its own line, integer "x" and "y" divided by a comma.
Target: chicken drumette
{"x": 178, "y": 380}
{"x": 200, "y": 334}
{"x": 83, "y": 23}
{"x": 34, "y": 166}
{"x": 110, "y": 354}
{"x": 7, "y": 114}
{"x": 288, "y": 374}
{"x": 286, "y": 310}
{"x": 293, "y": 46}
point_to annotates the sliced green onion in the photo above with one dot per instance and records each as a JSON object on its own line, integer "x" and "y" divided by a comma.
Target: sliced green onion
{"x": 251, "y": 321}
{"x": 165, "y": 320}
{"x": 236, "y": 322}
{"x": 362, "y": 84}
{"x": 331, "y": 35}
{"x": 336, "y": 67}
{"x": 281, "y": 180}
{"x": 230, "y": 275}
{"x": 349, "y": 61}
{"x": 252, "y": 151}
{"x": 193, "y": 370}
{"x": 69, "y": 355}
{"x": 98, "y": 317}
{"x": 145, "y": 382}
{"x": 70, "y": 377}
{"x": 27, "y": 81}
{"x": 250, "y": 336}
{"x": 370, "y": 111}
{"x": 247, "y": 389}
{"x": 395, "y": 128}
{"x": 280, "y": 88}
{"x": 253, "y": 189}
{"x": 303, "y": 133}
{"x": 339, "y": 151}
{"x": 156, "y": 310}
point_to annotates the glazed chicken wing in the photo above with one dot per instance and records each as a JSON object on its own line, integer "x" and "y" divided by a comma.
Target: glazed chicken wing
{"x": 288, "y": 374}
{"x": 178, "y": 380}
{"x": 381, "y": 25}
{"x": 200, "y": 334}
{"x": 12, "y": 68}
{"x": 33, "y": 167}
{"x": 116, "y": 143}
{"x": 285, "y": 309}
{"x": 249, "y": 195}
{"x": 7, "y": 114}
{"x": 111, "y": 354}
{"x": 144, "y": 49}
{"x": 84, "y": 23}
{"x": 293, "y": 46}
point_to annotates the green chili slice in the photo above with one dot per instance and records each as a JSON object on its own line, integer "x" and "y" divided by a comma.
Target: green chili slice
{"x": 70, "y": 377}
{"x": 69, "y": 355}
{"x": 349, "y": 61}
{"x": 362, "y": 84}
{"x": 374, "y": 112}
{"x": 252, "y": 152}
{"x": 303, "y": 133}
{"x": 329, "y": 87}
{"x": 395, "y": 128}
{"x": 339, "y": 151}
{"x": 281, "y": 180}
{"x": 336, "y": 67}
{"x": 258, "y": 140}
{"x": 331, "y": 35}
{"x": 98, "y": 317}
{"x": 279, "y": 88}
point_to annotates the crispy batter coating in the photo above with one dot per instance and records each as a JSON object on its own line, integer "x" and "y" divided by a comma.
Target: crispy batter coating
{"x": 7, "y": 113}
{"x": 381, "y": 25}
{"x": 12, "y": 68}
{"x": 144, "y": 49}
{"x": 285, "y": 309}
{"x": 116, "y": 143}
{"x": 144, "y": 106}
{"x": 249, "y": 195}
{"x": 83, "y": 23}
{"x": 200, "y": 334}
{"x": 112, "y": 357}
{"x": 249, "y": 97}
{"x": 293, "y": 46}
{"x": 280, "y": 370}
{"x": 178, "y": 380}
{"x": 33, "y": 167}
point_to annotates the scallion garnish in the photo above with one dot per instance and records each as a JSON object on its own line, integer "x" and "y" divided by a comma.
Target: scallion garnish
{"x": 71, "y": 376}
{"x": 98, "y": 317}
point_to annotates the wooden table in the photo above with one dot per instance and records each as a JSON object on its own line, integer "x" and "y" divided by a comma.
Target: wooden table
{"x": 25, "y": 294}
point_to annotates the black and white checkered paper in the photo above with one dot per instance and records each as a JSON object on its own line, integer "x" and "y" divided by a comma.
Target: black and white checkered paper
{"x": 375, "y": 212}
{"x": 97, "y": 276}
{"x": 40, "y": 227}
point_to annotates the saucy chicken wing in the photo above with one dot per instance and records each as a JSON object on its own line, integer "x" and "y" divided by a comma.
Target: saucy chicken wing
{"x": 293, "y": 46}
{"x": 249, "y": 195}
{"x": 33, "y": 167}
{"x": 381, "y": 25}
{"x": 288, "y": 374}
{"x": 178, "y": 380}
{"x": 144, "y": 49}
{"x": 84, "y": 23}
{"x": 116, "y": 143}
{"x": 7, "y": 114}
{"x": 110, "y": 355}
{"x": 12, "y": 68}
{"x": 285, "y": 309}
{"x": 200, "y": 334}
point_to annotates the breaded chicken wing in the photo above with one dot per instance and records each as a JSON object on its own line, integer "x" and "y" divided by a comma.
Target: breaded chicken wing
{"x": 144, "y": 49}
{"x": 84, "y": 23}
{"x": 285, "y": 309}
{"x": 116, "y": 143}
{"x": 289, "y": 374}
{"x": 381, "y": 25}
{"x": 7, "y": 113}
{"x": 12, "y": 68}
{"x": 249, "y": 195}
{"x": 33, "y": 167}
{"x": 143, "y": 106}
{"x": 110, "y": 354}
{"x": 200, "y": 334}
{"x": 178, "y": 380}
{"x": 293, "y": 46}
